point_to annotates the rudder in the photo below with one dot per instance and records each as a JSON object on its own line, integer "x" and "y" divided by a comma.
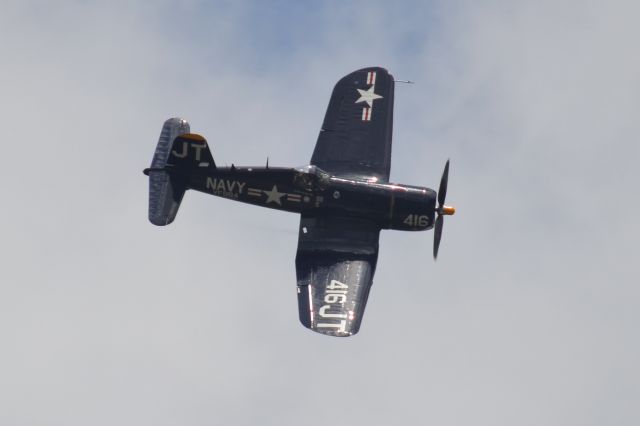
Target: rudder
{"x": 177, "y": 154}
{"x": 189, "y": 151}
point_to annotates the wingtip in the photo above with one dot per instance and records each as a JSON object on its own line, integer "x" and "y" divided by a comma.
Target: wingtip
{"x": 333, "y": 333}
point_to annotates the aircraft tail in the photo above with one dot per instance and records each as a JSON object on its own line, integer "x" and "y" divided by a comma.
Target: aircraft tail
{"x": 177, "y": 153}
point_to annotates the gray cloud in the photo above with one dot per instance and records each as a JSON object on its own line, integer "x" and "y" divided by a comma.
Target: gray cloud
{"x": 528, "y": 317}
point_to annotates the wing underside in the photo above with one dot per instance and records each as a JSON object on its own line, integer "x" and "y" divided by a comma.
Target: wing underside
{"x": 335, "y": 264}
{"x": 355, "y": 138}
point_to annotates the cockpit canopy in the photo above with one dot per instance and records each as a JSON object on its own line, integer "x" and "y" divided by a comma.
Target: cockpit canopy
{"x": 311, "y": 178}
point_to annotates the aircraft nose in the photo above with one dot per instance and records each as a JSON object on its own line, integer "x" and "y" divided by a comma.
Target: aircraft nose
{"x": 448, "y": 210}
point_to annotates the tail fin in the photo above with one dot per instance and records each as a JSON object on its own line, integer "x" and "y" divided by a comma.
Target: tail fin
{"x": 189, "y": 151}
{"x": 177, "y": 153}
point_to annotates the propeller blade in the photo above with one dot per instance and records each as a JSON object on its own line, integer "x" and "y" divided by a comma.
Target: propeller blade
{"x": 437, "y": 235}
{"x": 442, "y": 192}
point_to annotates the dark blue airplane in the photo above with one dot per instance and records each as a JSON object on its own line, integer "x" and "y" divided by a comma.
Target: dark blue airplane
{"x": 344, "y": 197}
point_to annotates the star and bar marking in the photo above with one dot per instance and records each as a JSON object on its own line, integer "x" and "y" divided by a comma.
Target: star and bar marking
{"x": 368, "y": 96}
{"x": 275, "y": 196}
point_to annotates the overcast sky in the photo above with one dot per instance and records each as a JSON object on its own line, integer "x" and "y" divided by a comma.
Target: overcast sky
{"x": 529, "y": 317}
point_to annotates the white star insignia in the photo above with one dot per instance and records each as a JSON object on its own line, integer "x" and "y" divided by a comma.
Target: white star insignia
{"x": 274, "y": 196}
{"x": 368, "y": 96}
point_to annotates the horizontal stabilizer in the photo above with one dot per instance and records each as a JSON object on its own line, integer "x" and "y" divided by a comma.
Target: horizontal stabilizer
{"x": 165, "y": 191}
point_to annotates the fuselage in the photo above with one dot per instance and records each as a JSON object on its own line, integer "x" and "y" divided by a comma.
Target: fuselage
{"x": 311, "y": 191}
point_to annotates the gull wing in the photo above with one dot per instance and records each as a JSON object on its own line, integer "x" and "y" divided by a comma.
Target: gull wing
{"x": 335, "y": 264}
{"x": 355, "y": 138}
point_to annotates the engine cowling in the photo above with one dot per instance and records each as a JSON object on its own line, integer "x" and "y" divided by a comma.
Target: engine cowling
{"x": 412, "y": 208}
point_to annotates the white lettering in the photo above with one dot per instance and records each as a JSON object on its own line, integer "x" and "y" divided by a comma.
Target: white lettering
{"x": 416, "y": 221}
{"x": 335, "y": 298}
{"x": 225, "y": 188}
{"x": 323, "y": 313}
{"x": 341, "y": 326}
{"x": 337, "y": 285}
{"x": 184, "y": 152}
{"x": 198, "y": 149}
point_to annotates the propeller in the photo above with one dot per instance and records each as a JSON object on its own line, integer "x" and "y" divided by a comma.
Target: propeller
{"x": 442, "y": 210}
